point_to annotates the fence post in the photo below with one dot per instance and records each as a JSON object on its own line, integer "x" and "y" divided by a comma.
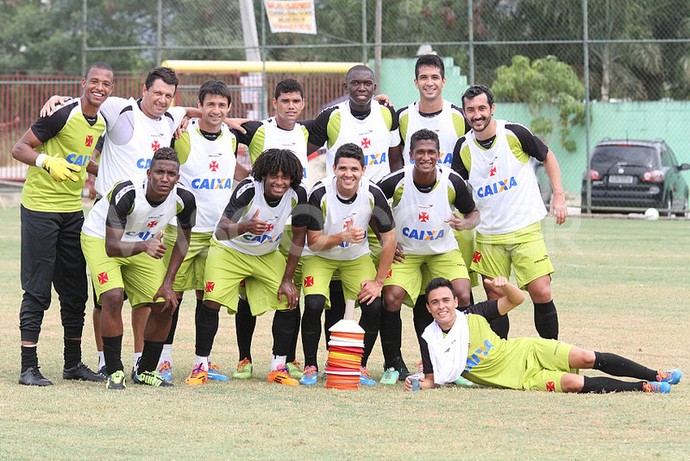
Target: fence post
{"x": 84, "y": 30}
{"x": 585, "y": 44}
{"x": 470, "y": 39}
{"x": 365, "y": 56}
{"x": 159, "y": 32}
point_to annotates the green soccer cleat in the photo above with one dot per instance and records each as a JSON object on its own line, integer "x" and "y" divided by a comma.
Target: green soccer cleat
{"x": 151, "y": 378}
{"x": 390, "y": 376}
{"x": 294, "y": 369}
{"x": 116, "y": 381}
{"x": 244, "y": 369}
{"x": 462, "y": 382}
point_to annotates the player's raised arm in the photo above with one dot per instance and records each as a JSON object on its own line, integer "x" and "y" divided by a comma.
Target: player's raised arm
{"x": 512, "y": 295}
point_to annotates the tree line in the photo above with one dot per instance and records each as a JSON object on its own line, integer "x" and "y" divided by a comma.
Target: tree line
{"x": 637, "y": 51}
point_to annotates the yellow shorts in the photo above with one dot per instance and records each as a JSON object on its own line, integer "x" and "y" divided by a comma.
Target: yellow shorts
{"x": 529, "y": 260}
{"x": 319, "y": 271}
{"x": 226, "y": 268}
{"x": 140, "y": 275}
{"x": 410, "y": 273}
{"x": 465, "y": 241}
{"x": 285, "y": 244}
{"x": 375, "y": 247}
{"x": 190, "y": 275}
{"x": 547, "y": 362}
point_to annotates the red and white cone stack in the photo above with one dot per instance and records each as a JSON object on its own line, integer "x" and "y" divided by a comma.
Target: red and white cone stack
{"x": 345, "y": 350}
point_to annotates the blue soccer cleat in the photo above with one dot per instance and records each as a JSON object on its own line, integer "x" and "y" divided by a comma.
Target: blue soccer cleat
{"x": 656, "y": 387}
{"x": 669, "y": 376}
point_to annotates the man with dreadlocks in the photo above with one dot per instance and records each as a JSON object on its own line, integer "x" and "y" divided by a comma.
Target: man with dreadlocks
{"x": 245, "y": 247}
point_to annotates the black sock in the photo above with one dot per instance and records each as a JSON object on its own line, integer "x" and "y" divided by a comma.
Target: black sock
{"x": 620, "y": 366}
{"x": 337, "y": 310}
{"x": 311, "y": 328}
{"x": 72, "y": 352}
{"x": 421, "y": 317}
{"x": 206, "y": 320}
{"x": 602, "y": 385}
{"x": 29, "y": 357}
{"x": 370, "y": 321}
{"x": 245, "y": 324}
{"x": 391, "y": 336}
{"x": 282, "y": 329}
{"x": 292, "y": 350}
{"x": 150, "y": 355}
{"x": 173, "y": 324}
{"x": 546, "y": 320}
{"x": 112, "y": 353}
{"x": 501, "y": 326}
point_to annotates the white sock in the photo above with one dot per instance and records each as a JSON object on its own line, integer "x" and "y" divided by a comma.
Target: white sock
{"x": 203, "y": 361}
{"x": 101, "y": 360}
{"x": 166, "y": 355}
{"x": 277, "y": 361}
{"x": 137, "y": 357}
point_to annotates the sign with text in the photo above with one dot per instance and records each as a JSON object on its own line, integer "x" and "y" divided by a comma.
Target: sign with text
{"x": 296, "y": 16}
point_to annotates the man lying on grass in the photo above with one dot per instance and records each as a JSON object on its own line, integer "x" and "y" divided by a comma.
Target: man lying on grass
{"x": 462, "y": 343}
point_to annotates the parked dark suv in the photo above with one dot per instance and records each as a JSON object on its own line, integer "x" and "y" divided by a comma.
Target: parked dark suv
{"x": 636, "y": 175}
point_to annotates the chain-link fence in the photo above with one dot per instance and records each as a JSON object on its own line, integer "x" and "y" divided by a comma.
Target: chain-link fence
{"x": 623, "y": 73}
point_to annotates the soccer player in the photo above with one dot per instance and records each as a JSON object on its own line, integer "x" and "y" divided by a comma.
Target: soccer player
{"x": 282, "y": 131}
{"x": 462, "y": 343}
{"x": 245, "y": 247}
{"x": 431, "y": 111}
{"x": 362, "y": 121}
{"x": 207, "y": 151}
{"x": 56, "y": 148}
{"x": 427, "y": 199}
{"x": 342, "y": 207}
{"x": 494, "y": 157}
{"x": 136, "y": 128}
{"x": 122, "y": 244}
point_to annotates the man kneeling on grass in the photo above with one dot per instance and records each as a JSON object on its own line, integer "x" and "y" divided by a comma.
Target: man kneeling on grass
{"x": 462, "y": 343}
{"x": 121, "y": 240}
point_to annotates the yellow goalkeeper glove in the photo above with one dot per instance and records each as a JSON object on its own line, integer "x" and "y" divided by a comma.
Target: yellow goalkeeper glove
{"x": 60, "y": 169}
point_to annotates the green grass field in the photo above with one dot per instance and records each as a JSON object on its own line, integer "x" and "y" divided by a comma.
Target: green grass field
{"x": 621, "y": 286}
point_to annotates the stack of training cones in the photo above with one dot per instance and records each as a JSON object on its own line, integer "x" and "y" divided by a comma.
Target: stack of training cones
{"x": 345, "y": 350}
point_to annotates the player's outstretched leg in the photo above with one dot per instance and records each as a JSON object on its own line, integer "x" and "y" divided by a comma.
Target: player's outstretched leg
{"x": 652, "y": 380}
